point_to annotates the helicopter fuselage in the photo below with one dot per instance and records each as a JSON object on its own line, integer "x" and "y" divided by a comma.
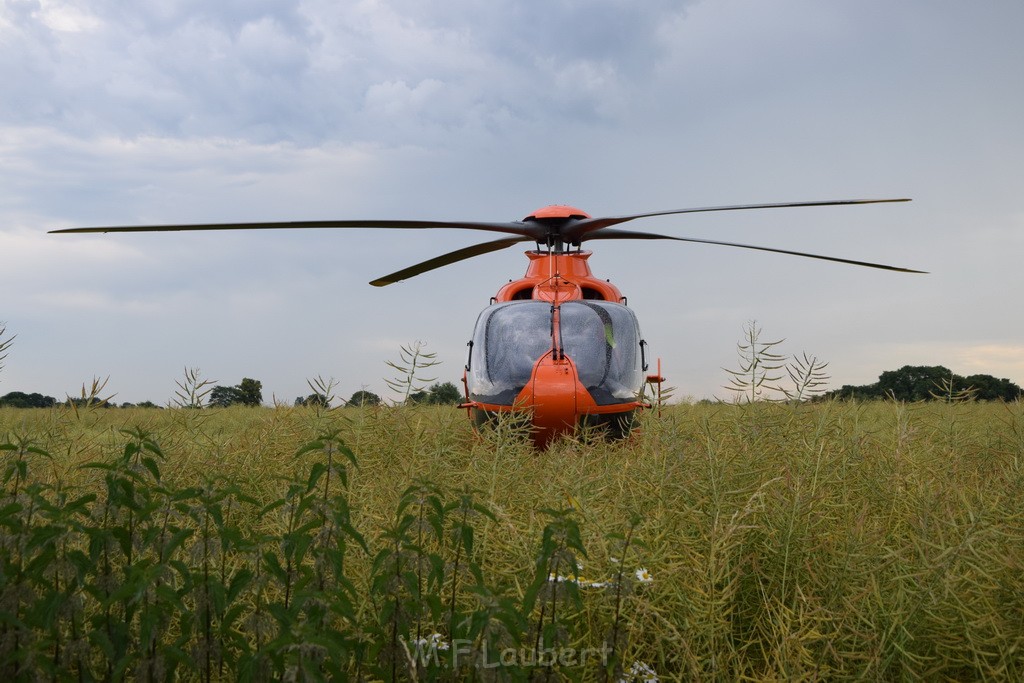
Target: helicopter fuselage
{"x": 559, "y": 347}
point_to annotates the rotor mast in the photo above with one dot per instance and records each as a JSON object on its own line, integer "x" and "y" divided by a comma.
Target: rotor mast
{"x": 554, "y": 220}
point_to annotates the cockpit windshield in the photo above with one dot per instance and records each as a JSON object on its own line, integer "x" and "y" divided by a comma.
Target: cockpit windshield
{"x": 601, "y": 338}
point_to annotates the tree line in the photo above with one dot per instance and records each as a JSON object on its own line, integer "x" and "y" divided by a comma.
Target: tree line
{"x": 910, "y": 383}
{"x": 20, "y": 399}
{"x": 930, "y": 382}
{"x": 249, "y": 392}
{"x": 196, "y": 392}
{"x": 443, "y": 394}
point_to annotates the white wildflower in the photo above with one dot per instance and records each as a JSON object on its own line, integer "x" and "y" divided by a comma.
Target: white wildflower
{"x": 640, "y": 672}
{"x": 558, "y": 578}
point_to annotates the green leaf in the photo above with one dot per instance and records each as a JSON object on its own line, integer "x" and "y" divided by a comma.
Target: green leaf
{"x": 241, "y": 579}
{"x": 154, "y": 469}
{"x": 309, "y": 447}
{"x": 178, "y": 537}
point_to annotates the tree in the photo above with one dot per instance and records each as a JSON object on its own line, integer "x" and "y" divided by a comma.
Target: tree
{"x": 420, "y": 396}
{"x": 930, "y": 382}
{"x": 19, "y": 399}
{"x": 364, "y": 398}
{"x": 323, "y": 393}
{"x": 437, "y": 395}
{"x": 251, "y": 391}
{"x": 991, "y": 389}
{"x": 247, "y": 393}
{"x": 913, "y": 382}
{"x": 222, "y": 397}
{"x": 314, "y": 399}
{"x": 445, "y": 394}
{"x": 87, "y": 402}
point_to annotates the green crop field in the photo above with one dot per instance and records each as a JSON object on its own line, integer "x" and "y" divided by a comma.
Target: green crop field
{"x": 835, "y": 541}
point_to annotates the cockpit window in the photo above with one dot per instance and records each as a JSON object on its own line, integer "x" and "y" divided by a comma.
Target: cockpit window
{"x": 602, "y": 339}
{"x": 508, "y": 340}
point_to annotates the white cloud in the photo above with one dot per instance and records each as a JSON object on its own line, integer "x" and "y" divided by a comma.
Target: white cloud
{"x": 38, "y": 252}
{"x": 395, "y": 99}
{"x": 84, "y": 301}
{"x": 64, "y": 16}
{"x": 266, "y": 45}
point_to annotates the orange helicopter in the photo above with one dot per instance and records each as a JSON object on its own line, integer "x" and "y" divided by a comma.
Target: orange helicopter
{"x": 558, "y": 344}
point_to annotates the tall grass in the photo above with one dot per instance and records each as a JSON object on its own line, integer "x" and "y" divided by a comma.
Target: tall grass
{"x": 790, "y": 542}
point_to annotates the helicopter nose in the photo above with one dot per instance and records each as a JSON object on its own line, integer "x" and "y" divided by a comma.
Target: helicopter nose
{"x": 553, "y": 396}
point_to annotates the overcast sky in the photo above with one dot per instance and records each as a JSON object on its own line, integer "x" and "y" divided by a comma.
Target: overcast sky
{"x": 115, "y": 112}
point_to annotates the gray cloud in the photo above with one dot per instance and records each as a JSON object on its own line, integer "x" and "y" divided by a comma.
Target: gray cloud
{"x": 268, "y": 71}
{"x": 196, "y": 111}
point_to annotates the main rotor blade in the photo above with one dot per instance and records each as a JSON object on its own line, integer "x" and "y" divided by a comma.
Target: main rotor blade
{"x": 629, "y": 235}
{"x": 446, "y": 259}
{"x": 512, "y": 227}
{"x": 589, "y": 225}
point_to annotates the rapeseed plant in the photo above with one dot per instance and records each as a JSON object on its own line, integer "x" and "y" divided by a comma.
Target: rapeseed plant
{"x": 836, "y": 541}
